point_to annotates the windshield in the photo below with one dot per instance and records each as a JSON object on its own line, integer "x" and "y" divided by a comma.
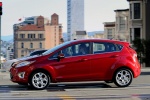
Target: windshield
{"x": 55, "y": 48}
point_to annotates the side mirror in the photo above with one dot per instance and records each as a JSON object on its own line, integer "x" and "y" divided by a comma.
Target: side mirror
{"x": 60, "y": 56}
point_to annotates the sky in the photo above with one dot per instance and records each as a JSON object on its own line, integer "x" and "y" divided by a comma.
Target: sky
{"x": 96, "y": 12}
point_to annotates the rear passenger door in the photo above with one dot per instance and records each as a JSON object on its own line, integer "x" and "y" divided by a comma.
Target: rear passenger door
{"x": 103, "y": 58}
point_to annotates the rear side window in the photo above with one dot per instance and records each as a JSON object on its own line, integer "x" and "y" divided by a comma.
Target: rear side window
{"x": 103, "y": 47}
{"x": 111, "y": 47}
{"x": 119, "y": 47}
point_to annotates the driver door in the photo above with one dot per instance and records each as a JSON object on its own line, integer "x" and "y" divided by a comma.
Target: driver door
{"x": 73, "y": 67}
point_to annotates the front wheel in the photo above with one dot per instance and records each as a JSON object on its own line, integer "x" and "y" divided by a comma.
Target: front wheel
{"x": 39, "y": 80}
{"x": 123, "y": 77}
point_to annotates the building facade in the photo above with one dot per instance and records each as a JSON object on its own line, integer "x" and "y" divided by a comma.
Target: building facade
{"x": 139, "y": 19}
{"x": 37, "y": 36}
{"x": 75, "y": 17}
{"x": 109, "y": 30}
{"x": 122, "y": 25}
{"x": 131, "y": 23}
{"x": 80, "y": 35}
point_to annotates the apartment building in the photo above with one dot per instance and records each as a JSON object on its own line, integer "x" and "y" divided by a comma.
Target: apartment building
{"x": 130, "y": 23}
{"x": 139, "y": 19}
{"x": 109, "y": 30}
{"x": 40, "y": 35}
{"x": 118, "y": 30}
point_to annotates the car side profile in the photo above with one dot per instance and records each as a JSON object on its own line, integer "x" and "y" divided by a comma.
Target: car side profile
{"x": 79, "y": 60}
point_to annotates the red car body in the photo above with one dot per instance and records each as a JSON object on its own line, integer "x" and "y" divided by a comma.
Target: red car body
{"x": 90, "y": 67}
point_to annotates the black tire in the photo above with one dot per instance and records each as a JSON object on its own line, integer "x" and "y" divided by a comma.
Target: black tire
{"x": 39, "y": 80}
{"x": 108, "y": 81}
{"x": 123, "y": 77}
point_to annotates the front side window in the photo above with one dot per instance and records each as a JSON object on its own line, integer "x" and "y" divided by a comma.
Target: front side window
{"x": 74, "y": 50}
{"x": 77, "y": 49}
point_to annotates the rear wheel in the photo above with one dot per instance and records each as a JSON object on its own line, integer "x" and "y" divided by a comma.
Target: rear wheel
{"x": 123, "y": 77}
{"x": 39, "y": 80}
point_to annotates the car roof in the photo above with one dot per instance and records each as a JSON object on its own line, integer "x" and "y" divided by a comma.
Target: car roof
{"x": 100, "y": 40}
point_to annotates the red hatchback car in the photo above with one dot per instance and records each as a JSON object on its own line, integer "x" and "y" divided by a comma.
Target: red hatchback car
{"x": 79, "y": 60}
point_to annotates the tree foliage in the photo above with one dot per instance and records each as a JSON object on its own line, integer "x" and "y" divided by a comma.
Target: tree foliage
{"x": 142, "y": 48}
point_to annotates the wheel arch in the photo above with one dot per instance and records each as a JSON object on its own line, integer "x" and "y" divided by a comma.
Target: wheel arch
{"x": 123, "y": 67}
{"x": 42, "y": 70}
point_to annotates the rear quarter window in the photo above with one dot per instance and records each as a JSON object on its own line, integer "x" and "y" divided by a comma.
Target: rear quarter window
{"x": 119, "y": 47}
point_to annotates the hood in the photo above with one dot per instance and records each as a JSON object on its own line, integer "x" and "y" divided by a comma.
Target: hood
{"x": 28, "y": 57}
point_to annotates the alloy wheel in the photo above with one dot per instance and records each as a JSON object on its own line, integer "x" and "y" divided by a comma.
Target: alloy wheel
{"x": 123, "y": 78}
{"x": 40, "y": 80}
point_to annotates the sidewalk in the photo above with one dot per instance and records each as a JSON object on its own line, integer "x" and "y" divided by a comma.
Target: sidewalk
{"x": 5, "y": 74}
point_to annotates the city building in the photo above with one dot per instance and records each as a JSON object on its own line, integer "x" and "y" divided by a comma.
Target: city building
{"x": 80, "y": 35}
{"x": 42, "y": 34}
{"x": 139, "y": 19}
{"x": 122, "y": 25}
{"x": 118, "y": 30}
{"x": 97, "y": 35}
{"x": 109, "y": 30}
{"x": 130, "y": 23}
{"x": 75, "y": 17}
{"x": 10, "y": 52}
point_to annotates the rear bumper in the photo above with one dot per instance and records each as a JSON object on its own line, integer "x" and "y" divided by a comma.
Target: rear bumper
{"x": 137, "y": 70}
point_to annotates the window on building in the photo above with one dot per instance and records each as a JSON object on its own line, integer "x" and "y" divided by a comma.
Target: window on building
{"x": 122, "y": 23}
{"x": 31, "y": 36}
{"x": 40, "y": 45}
{"x": 109, "y": 34}
{"x": 22, "y": 51}
{"x": 137, "y": 11}
{"x": 131, "y": 35}
{"x": 22, "y": 36}
{"x": 40, "y": 36}
{"x": 130, "y": 11}
{"x": 137, "y": 33}
{"x": 22, "y": 45}
{"x": 31, "y": 45}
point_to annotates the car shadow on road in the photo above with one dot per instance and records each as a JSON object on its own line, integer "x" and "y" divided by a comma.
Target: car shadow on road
{"x": 55, "y": 87}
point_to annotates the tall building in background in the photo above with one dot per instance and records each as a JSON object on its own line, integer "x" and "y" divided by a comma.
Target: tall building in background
{"x": 37, "y": 34}
{"x": 75, "y": 17}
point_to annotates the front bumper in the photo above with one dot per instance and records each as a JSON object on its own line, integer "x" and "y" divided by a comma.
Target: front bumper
{"x": 15, "y": 75}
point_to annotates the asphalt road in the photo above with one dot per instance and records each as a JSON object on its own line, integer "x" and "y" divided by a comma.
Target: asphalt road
{"x": 138, "y": 90}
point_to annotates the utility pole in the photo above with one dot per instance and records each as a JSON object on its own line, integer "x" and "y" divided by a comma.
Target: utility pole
{"x": 0, "y": 32}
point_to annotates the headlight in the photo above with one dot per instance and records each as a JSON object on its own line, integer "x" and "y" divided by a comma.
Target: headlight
{"x": 24, "y": 63}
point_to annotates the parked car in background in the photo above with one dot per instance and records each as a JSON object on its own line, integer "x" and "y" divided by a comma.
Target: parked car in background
{"x": 7, "y": 65}
{"x": 79, "y": 60}
{"x": 2, "y": 60}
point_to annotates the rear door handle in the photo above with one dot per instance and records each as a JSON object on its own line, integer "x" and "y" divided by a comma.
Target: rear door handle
{"x": 114, "y": 56}
{"x": 83, "y": 60}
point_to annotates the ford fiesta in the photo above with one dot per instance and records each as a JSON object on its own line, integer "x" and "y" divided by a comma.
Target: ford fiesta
{"x": 79, "y": 60}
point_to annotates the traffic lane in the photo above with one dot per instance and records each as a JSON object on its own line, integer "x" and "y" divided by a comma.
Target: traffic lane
{"x": 87, "y": 90}
{"x": 138, "y": 90}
